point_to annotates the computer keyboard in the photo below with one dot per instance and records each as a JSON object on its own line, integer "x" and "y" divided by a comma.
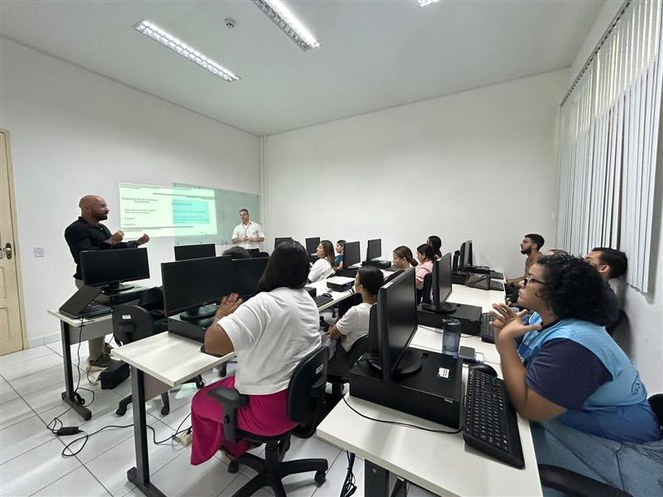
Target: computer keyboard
{"x": 323, "y": 299}
{"x": 92, "y": 310}
{"x": 486, "y": 332}
{"x": 490, "y": 419}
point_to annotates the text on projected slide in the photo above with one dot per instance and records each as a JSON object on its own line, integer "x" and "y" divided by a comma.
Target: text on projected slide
{"x": 166, "y": 210}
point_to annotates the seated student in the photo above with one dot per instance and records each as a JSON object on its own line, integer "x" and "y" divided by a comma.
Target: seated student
{"x": 435, "y": 242}
{"x": 554, "y": 251}
{"x": 354, "y": 324}
{"x": 426, "y": 257}
{"x": 338, "y": 260}
{"x": 237, "y": 253}
{"x": 610, "y": 263}
{"x": 401, "y": 259}
{"x": 324, "y": 266}
{"x": 270, "y": 334}
{"x": 563, "y": 372}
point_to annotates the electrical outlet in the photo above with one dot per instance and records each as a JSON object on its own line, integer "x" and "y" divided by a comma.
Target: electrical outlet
{"x": 39, "y": 252}
{"x": 185, "y": 438}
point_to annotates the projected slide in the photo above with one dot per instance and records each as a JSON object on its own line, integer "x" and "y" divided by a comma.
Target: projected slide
{"x": 167, "y": 211}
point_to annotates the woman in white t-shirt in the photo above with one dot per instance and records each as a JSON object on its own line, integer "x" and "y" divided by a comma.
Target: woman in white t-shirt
{"x": 354, "y": 323}
{"x": 324, "y": 266}
{"x": 270, "y": 334}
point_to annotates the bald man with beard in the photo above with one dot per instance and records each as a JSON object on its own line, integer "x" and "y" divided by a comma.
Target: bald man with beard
{"x": 87, "y": 233}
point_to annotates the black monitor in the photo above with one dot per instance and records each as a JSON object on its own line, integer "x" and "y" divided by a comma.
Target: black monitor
{"x": 374, "y": 249}
{"x": 465, "y": 258}
{"x": 312, "y": 245}
{"x": 246, "y": 273}
{"x": 110, "y": 267}
{"x": 392, "y": 331}
{"x": 186, "y": 252}
{"x": 351, "y": 254}
{"x": 279, "y": 241}
{"x": 441, "y": 286}
{"x": 190, "y": 285}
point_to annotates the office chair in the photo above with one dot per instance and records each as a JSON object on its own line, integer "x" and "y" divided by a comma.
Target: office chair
{"x": 426, "y": 288}
{"x": 577, "y": 485}
{"x": 338, "y": 372}
{"x": 132, "y": 323}
{"x": 306, "y": 392}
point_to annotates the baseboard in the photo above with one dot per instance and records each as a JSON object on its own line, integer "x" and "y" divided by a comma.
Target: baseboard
{"x": 43, "y": 340}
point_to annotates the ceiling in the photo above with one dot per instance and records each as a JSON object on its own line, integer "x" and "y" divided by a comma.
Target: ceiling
{"x": 373, "y": 54}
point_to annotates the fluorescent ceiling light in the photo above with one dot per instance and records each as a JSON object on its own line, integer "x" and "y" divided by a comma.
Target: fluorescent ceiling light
{"x": 167, "y": 40}
{"x": 289, "y": 24}
{"x": 423, "y": 3}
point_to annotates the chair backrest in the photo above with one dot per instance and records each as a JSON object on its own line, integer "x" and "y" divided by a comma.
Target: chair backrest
{"x": 131, "y": 323}
{"x": 306, "y": 391}
{"x": 425, "y": 289}
{"x": 656, "y": 403}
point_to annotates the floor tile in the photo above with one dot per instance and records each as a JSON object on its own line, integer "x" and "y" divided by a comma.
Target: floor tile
{"x": 180, "y": 478}
{"x": 78, "y": 483}
{"x": 13, "y": 412}
{"x": 52, "y": 377}
{"x": 180, "y": 417}
{"x": 35, "y": 470}
{"x": 21, "y": 369}
{"x": 110, "y": 468}
{"x": 239, "y": 482}
{"x": 23, "y": 437}
{"x": 7, "y": 393}
{"x": 23, "y": 355}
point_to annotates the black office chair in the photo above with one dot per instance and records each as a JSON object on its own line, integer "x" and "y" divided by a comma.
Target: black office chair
{"x": 306, "y": 392}
{"x": 338, "y": 372}
{"x": 132, "y": 323}
{"x": 577, "y": 485}
{"x": 426, "y": 288}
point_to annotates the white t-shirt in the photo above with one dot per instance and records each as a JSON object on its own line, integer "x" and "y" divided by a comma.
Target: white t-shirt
{"x": 354, "y": 324}
{"x": 250, "y": 230}
{"x": 321, "y": 269}
{"x": 271, "y": 334}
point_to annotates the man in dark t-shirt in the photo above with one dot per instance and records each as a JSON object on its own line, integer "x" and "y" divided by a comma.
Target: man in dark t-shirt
{"x": 87, "y": 233}
{"x": 610, "y": 263}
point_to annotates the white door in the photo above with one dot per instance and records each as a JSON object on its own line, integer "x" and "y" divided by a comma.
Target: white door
{"x": 11, "y": 315}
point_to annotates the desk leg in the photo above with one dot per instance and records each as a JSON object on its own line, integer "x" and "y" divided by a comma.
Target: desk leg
{"x": 377, "y": 482}
{"x": 140, "y": 474}
{"x": 70, "y": 396}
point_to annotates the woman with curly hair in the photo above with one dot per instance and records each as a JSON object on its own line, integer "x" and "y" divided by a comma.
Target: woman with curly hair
{"x": 563, "y": 371}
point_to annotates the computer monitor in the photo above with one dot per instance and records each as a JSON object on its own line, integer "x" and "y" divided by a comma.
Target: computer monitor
{"x": 441, "y": 286}
{"x": 374, "y": 249}
{"x": 351, "y": 254}
{"x": 246, "y": 273}
{"x": 312, "y": 245}
{"x": 279, "y": 241}
{"x": 109, "y": 268}
{"x": 195, "y": 285}
{"x": 186, "y": 252}
{"x": 465, "y": 258}
{"x": 392, "y": 331}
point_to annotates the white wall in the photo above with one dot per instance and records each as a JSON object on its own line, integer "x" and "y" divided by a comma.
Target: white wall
{"x": 478, "y": 164}
{"x": 74, "y": 133}
{"x": 641, "y": 334}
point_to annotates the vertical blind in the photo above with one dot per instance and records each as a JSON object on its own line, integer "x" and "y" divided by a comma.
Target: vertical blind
{"x": 609, "y": 127}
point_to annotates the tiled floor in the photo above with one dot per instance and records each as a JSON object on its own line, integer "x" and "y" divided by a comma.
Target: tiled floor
{"x": 32, "y": 461}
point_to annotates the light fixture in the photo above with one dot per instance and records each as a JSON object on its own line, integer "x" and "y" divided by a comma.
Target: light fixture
{"x": 153, "y": 31}
{"x": 424, "y": 3}
{"x": 289, "y": 24}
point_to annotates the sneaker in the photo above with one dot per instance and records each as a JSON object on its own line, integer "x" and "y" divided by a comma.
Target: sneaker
{"x": 107, "y": 348}
{"x": 99, "y": 364}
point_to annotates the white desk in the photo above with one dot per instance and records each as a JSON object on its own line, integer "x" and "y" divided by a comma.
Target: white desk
{"x": 321, "y": 287}
{"x": 158, "y": 363}
{"x": 440, "y": 463}
{"x": 75, "y": 330}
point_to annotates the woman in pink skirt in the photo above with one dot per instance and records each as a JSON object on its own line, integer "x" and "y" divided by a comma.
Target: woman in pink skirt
{"x": 270, "y": 334}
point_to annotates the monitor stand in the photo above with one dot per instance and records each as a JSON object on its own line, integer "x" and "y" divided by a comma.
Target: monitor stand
{"x": 116, "y": 288}
{"x": 445, "y": 308}
{"x": 204, "y": 311}
{"x": 409, "y": 363}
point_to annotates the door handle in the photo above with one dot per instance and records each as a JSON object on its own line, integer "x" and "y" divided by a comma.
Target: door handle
{"x": 6, "y": 251}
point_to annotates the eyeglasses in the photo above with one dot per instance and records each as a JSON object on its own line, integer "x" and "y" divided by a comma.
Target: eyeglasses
{"x": 529, "y": 279}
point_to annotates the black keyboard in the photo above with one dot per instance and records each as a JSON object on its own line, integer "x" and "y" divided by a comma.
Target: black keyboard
{"x": 323, "y": 299}
{"x": 92, "y": 310}
{"x": 486, "y": 333}
{"x": 490, "y": 420}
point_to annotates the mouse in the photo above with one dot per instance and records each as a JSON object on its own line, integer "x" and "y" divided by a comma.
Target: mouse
{"x": 485, "y": 368}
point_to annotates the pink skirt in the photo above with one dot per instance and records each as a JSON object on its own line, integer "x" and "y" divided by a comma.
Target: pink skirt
{"x": 263, "y": 415}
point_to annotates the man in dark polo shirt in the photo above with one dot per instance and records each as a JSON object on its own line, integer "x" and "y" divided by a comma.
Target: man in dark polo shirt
{"x": 610, "y": 263}
{"x": 87, "y": 233}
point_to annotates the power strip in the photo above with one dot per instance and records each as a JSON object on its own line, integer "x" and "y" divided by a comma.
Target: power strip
{"x": 185, "y": 438}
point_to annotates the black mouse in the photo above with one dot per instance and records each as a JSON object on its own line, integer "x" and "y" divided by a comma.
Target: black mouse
{"x": 485, "y": 368}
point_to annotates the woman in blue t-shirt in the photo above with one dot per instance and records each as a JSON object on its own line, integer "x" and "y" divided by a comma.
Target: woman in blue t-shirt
{"x": 563, "y": 370}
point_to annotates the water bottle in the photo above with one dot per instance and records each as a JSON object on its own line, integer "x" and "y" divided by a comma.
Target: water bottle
{"x": 451, "y": 338}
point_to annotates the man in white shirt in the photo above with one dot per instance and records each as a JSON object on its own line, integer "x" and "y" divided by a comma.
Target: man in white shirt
{"x": 248, "y": 234}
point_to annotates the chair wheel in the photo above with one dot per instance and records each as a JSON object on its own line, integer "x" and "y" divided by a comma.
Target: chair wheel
{"x": 165, "y": 410}
{"x": 121, "y": 411}
{"x": 320, "y": 477}
{"x": 233, "y": 467}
